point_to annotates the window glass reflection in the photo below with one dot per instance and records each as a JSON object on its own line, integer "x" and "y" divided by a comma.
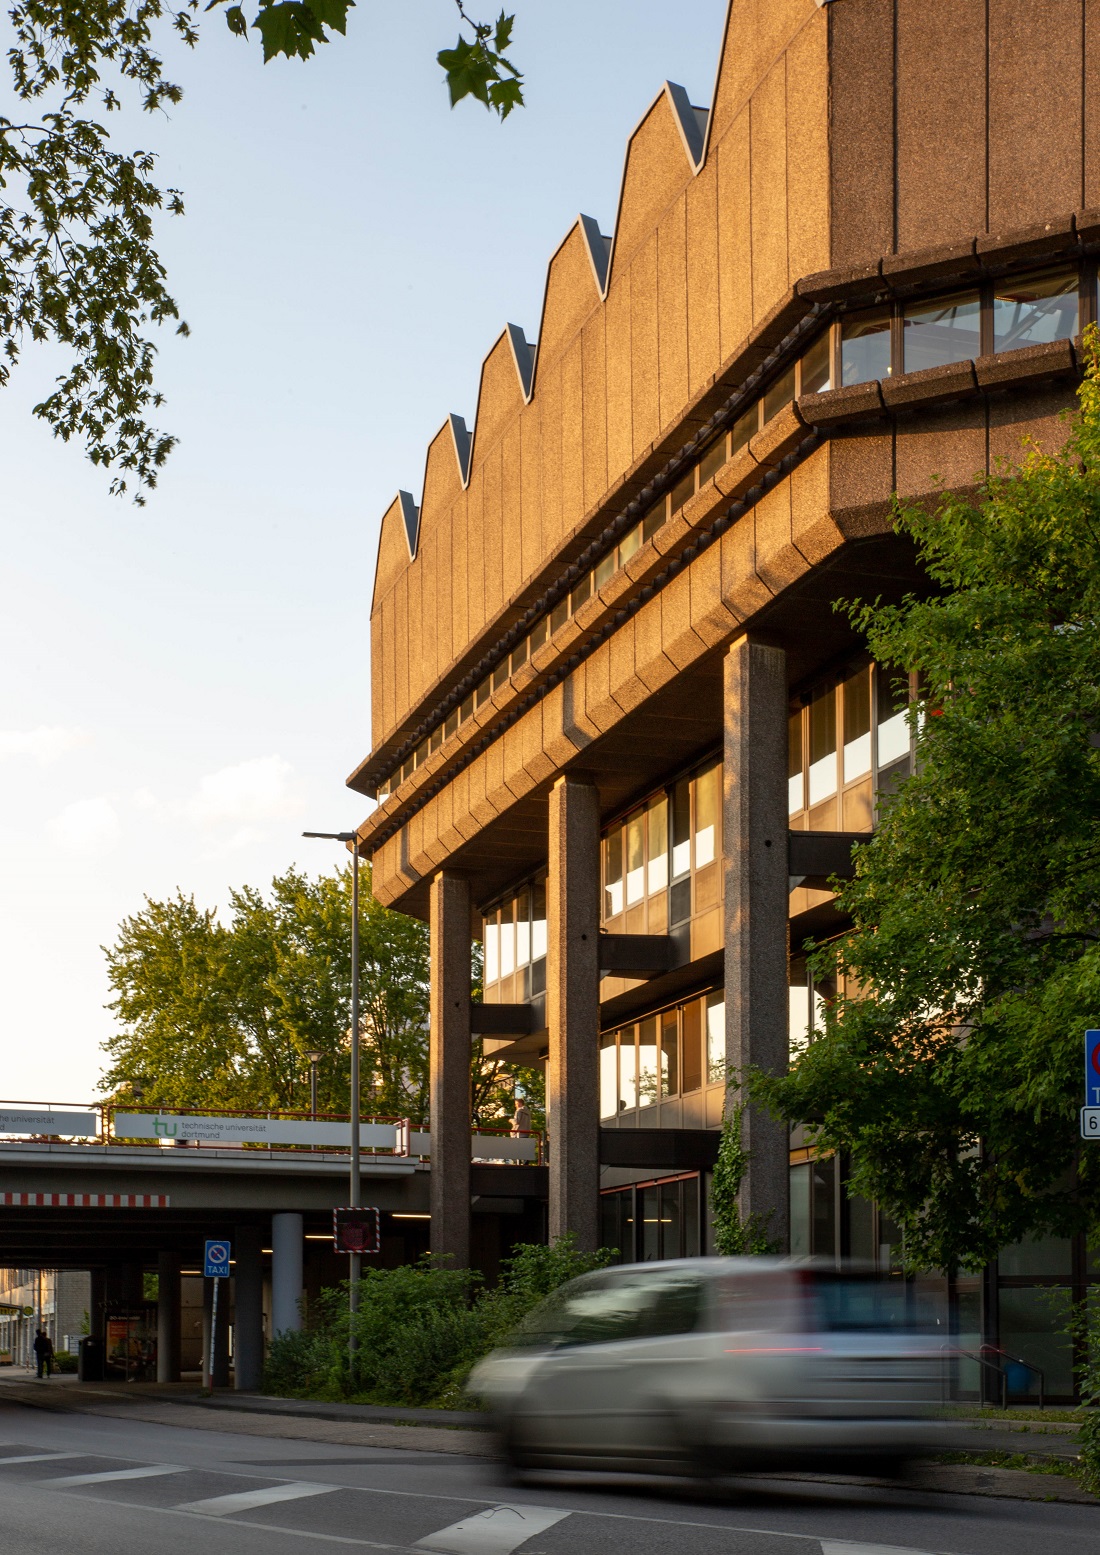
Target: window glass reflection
{"x": 647, "y": 1062}
{"x": 816, "y": 374}
{"x": 1033, "y": 309}
{"x": 865, "y": 346}
{"x": 635, "y": 859}
{"x": 609, "y": 1076}
{"x": 538, "y": 924}
{"x": 716, "y": 1037}
{"x": 857, "y": 725}
{"x": 681, "y": 829}
{"x": 523, "y": 929}
{"x": 798, "y": 1028}
{"x": 893, "y": 722}
{"x": 823, "y": 746}
{"x": 657, "y": 845}
{"x": 507, "y": 941}
{"x": 795, "y": 797}
{"x": 706, "y": 815}
{"x": 492, "y": 949}
{"x": 781, "y": 393}
{"x": 613, "y": 874}
{"x": 942, "y": 331}
{"x": 628, "y": 1070}
{"x": 670, "y": 1054}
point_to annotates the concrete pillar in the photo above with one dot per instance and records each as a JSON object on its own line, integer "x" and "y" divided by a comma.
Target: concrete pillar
{"x": 450, "y": 1067}
{"x": 97, "y": 1305}
{"x": 219, "y": 1377}
{"x": 286, "y": 1272}
{"x": 248, "y": 1309}
{"x": 754, "y": 830}
{"x": 168, "y": 1317}
{"x": 573, "y": 1010}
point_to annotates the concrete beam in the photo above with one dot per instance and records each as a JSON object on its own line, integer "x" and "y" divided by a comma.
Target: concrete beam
{"x": 638, "y": 955}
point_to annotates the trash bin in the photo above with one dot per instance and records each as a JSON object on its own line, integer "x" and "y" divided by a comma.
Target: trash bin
{"x": 89, "y": 1361}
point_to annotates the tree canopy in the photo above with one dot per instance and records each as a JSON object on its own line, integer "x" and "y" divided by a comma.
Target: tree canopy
{"x": 78, "y": 264}
{"x": 222, "y": 1013}
{"x": 950, "y": 1065}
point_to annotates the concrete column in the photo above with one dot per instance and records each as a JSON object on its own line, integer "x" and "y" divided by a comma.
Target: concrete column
{"x": 573, "y": 1010}
{"x": 97, "y": 1306}
{"x": 219, "y": 1377}
{"x": 168, "y": 1317}
{"x": 248, "y": 1309}
{"x": 286, "y": 1272}
{"x": 450, "y": 1067}
{"x": 754, "y": 831}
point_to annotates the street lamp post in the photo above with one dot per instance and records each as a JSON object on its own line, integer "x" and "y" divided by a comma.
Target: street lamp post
{"x": 355, "y": 1268}
{"x": 314, "y": 1060}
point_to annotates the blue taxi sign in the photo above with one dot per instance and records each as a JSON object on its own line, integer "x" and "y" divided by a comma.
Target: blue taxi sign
{"x": 215, "y": 1263}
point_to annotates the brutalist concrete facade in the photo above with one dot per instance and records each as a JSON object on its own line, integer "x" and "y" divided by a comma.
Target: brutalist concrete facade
{"x": 860, "y": 270}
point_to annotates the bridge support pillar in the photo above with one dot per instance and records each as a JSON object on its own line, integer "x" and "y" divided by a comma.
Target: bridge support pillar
{"x": 97, "y": 1312}
{"x": 219, "y": 1377}
{"x": 248, "y": 1309}
{"x": 286, "y": 1272}
{"x": 168, "y": 1317}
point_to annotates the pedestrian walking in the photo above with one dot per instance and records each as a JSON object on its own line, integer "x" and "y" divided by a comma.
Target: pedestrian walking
{"x": 43, "y": 1351}
{"x": 521, "y": 1122}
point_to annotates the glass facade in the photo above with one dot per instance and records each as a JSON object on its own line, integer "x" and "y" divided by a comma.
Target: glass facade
{"x": 647, "y": 1221}
{"x": 667, "y": 1069}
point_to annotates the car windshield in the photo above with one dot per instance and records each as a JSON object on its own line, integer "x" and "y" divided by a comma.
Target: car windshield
{"x": 604, "y": 1308}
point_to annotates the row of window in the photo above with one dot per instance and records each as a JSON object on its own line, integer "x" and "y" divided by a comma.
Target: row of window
{"x": 870, "y": 344}
{"x": 649, "y": 1221}
{"x": 663, "y": 1056}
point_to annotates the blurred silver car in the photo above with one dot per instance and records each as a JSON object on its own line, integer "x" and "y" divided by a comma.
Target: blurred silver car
{"x": 718, "y": 1365}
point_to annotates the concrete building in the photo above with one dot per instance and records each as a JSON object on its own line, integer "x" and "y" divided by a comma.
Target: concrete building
{"x": 619, "y": 733}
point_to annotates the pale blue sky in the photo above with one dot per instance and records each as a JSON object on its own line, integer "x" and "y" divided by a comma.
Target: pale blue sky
{"x": 187, "y": 686}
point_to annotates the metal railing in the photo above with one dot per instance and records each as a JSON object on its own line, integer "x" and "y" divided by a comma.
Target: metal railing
{"x": 981, "y": 1358}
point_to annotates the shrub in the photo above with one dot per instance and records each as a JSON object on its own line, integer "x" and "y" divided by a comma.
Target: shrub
{"x": 420, "y": 1328}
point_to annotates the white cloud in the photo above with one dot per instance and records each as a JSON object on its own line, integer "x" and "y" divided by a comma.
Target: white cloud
{"x": 46, "y": 743}
{"x": 87, "y": 827}
{"x": 262, "y": 789}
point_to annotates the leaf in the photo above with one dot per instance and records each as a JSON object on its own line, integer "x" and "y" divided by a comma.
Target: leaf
{"x": 236, "y": 21}
{"x": 288, "y": 28}
{"x": 503, "y": 35}
{"x": 468, "y": 71}
{"x": 506, "y": 95}
{"x": 332, "y": 13}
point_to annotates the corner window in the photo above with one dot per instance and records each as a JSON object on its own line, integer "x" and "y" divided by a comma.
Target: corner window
{"x": 1034, "y": 309}
{"x": 941, "y": 331}
{"x": 865, "y": 346}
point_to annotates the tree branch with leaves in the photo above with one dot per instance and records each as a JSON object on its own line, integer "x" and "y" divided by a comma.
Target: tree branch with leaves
{"x": 78, "y": 265}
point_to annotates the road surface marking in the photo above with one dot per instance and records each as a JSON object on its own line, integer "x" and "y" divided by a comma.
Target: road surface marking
{"x": 846, "y": 1547}
{"x": 148, "y": 1471}
{"x": 43, "y": 1457}
{"x": 497, "y": 1531}
{"x": 248, "y": 1500}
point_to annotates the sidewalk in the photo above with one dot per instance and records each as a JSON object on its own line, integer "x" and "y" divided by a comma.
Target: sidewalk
{"x": 465, "y": 1434}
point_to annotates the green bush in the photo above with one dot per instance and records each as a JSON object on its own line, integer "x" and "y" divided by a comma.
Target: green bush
{"x": 420, "y": 1328}
{"x": 63, "y": 1361}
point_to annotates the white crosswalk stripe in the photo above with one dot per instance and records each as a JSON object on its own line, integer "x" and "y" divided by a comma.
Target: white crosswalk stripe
{"x": 844, "y": 1547}
{"x": 248, "y": 1500}
{"x": 497, "y": 1531}
{"x": 148, "y": 1471}
{"x": 41, "y": 1457}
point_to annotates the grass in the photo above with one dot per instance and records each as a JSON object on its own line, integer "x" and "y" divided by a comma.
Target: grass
{"x": 1014, "y": 1415}
{"x": 1029, "y": 1462}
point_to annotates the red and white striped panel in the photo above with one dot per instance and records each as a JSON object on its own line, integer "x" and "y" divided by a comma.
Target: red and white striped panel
{"x": 85, "y": 1200}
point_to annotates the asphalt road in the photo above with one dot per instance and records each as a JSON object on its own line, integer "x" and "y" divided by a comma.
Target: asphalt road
{"x": 74, "y": 1484}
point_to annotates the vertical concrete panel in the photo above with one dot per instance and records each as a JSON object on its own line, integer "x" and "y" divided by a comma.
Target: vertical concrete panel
{"x": 620, "y": 412}
{"x": 1092, "y": 104}
{"x": 475, "y": 559}
{"x": 572, "y": 437}
{"x": 286, "y": 1272}
{"x": 672, "y": 336}
{"x": 768, "y": 163}
{"x": 510, "y": 489}
{"x": 168, "y": 1316}
{"x": 460, "y": 583}
{"x": 548, "y": 399}
{"x": 945, "y": 450}
{"x": 643, "y": 346}
{"x": 861, "y": 48}
{"x": 754, "y": 842}
{"x": 248, "y": 1309}
{"x": 808, "y": 150}
{"x": 419, "y": 579}
{"x": 941, "y": 122}
{"x": 531, "y": 537}
{"x": 756, "y": 34}
{"x": 702, "y": 277}
{"x": 449, "y": 1061}
{"x": 492, "y": 534}
{"x": 1035, "y": 87}
{"x": 594, "y": 388}
{"x": 572, "y": 1007}
{"x": 401, "y": 643}
{"x": 735, "y": 300}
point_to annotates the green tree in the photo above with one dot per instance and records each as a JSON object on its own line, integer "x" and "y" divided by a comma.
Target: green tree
{"x": 223, "y": 1014}
{"x": 77, "y": 261}
{"x": 950, "y": 1065}
{"x": 734, "y": 1236}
